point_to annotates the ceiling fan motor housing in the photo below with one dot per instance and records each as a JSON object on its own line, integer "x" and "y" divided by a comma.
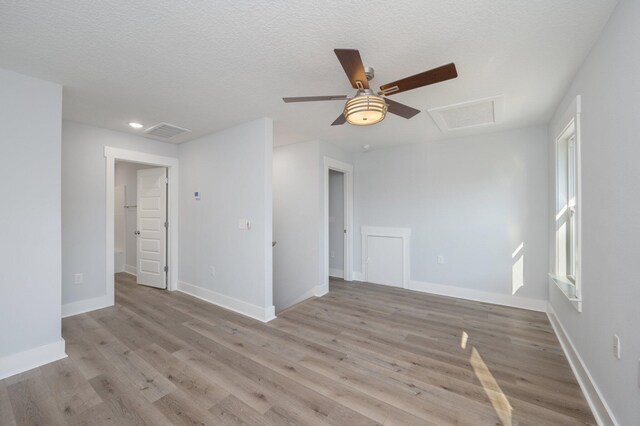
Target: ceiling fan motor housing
{"x": 370, "y": 73}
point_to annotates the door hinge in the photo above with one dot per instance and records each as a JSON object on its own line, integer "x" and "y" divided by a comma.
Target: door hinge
{"x": 166, "y": 269}
{"x": 166, "y": 224}
{"x": 166, "y": 180}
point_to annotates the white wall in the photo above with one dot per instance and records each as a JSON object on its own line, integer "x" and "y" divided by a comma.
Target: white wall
{"x": 232, "y": 171}
{"x": 126, "y": 174}
{"x": 83, "y": 203}
{"x": 473, "y": 200}
{"x": 30, "y": 117}
{"x": 296, "y": 214}
{"x": 336, "y": 223}
{"x": 298, "y": 219}
{"x": 609, "y": 86}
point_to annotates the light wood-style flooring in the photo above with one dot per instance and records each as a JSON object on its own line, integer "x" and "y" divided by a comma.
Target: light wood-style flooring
{"x": 361, "y": 355}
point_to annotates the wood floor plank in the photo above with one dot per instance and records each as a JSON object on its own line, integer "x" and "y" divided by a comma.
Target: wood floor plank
{"x": 297, "y": 397}
{"x": 179, "y": 409}
{"x": 362, "y": 354}
{"x": 158, "y": 334}
{"x": 126, "y": 404}
{"x": 6, "y": 412}
{"x": 205, "y": 392}
{"x": 148, "y": 381}
{"x": 232, "y": 411}
{"x": 33, "y": 404}
{"x": 281, "y": 359}
{"x": 246, "y": 390}
{"x": 404, "y": 397}
{"x": 21, "y": 377}
{"x": 99, "y": 415}
{"x": 86, "y": 357}
{"x": 70, "y": 390}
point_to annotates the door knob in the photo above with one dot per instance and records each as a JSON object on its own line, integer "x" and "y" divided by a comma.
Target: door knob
{"x": 136, "y": 233}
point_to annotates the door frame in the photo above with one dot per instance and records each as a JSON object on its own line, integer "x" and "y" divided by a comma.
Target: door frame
{"x": 347, "y": 170}
{"x": 112, "y": 154}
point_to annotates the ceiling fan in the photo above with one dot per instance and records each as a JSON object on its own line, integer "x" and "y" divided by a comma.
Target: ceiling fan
{"x": 367, "y": 107}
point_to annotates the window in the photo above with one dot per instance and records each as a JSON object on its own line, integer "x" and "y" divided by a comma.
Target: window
{"x": 566, "y": 206}
{"x": 567, "y": 212}
{"x": 571, "y": 208}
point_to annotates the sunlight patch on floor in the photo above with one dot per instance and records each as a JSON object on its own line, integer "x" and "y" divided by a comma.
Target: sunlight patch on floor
{"x": 463, "y": 340}
{"x": 497, "y": 398}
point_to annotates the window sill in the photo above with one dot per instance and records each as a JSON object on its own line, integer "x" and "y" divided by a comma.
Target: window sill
{"x": 568, "y": 289}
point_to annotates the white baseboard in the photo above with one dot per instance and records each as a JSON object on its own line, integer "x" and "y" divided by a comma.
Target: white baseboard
{"x": 248, "y": 309}
{"x": 479, "y": 296}
{"x": 13, "y": 364}
{"x": 337, "y": 273}
{"x": 132, "y": 270}
{"x": 320, "y": 290}
{"x": 82, "y": 306}
{"x": 471, "y": 294}
{"x": 599, "y": 407}
{"x": 317, "y": 291}
{"x": 358, "y": 276}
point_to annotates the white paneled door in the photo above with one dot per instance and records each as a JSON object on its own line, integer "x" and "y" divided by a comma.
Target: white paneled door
{"x": 152, "y": 227}
{"x": 384, "y": 260}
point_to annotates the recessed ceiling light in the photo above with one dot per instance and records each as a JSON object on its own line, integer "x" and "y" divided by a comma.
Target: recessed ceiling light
{"x": 136, "y": 125}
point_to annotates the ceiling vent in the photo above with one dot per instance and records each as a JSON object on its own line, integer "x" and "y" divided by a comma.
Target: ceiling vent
{"x": 166, "y": 131}
{"x": 481, "y": 112}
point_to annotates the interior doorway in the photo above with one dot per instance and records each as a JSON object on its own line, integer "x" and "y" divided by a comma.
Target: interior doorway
{"x": 344, "y": 177}
{"x": 170, "y": 164}
{"x": 337, "y": 232}
{"x": 140, "y": 222}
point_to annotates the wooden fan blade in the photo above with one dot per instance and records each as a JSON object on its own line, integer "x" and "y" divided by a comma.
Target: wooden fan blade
{"x": 340, "y": 120}
{"x": 436, "y": 75}
{"x": 402, "y": 110}
{"x": 352, "y": 65}
{"x": 315, "y": 98}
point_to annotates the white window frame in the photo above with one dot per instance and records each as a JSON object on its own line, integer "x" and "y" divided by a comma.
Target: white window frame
{"x": 570, "y": 283}
{"x": 572, "y": 212}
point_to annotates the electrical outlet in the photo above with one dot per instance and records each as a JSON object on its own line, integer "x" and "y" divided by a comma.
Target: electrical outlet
{"x": 213, "y": 271}
{"x": 616, "y": 346}
{"x": 440, "y": 260}
{"x": 78, "y": 278}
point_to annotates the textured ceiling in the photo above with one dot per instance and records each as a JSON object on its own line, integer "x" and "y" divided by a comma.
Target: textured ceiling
{"x": 209, "y": 65}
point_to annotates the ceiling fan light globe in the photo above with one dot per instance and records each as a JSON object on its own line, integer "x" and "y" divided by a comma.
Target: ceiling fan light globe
{"x": 365, "y": 110}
